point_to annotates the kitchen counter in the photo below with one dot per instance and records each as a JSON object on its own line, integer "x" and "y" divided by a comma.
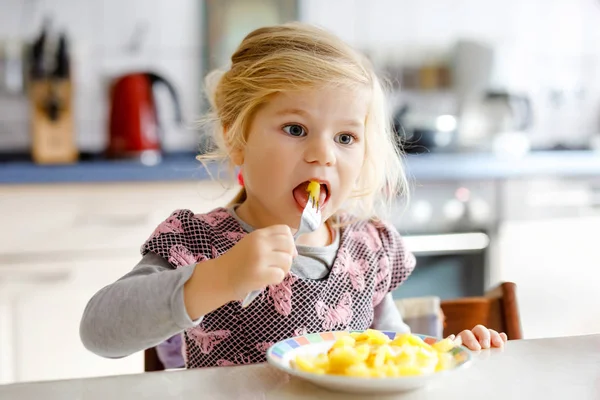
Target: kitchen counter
{"x": 488, "y": 167}
{"x": 174, "y": 167}
{"x": 421, "y": 167}
{"x": 558, "y": 368}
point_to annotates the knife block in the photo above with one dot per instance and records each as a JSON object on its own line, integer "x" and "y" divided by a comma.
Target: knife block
{"x": 52, "y": 122}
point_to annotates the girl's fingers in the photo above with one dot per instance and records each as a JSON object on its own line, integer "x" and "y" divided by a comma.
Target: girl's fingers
{"x": 273, "y": 276}
{"x": 495, "y": 339}
{"x": 483, "y": 336}
{"x": 469, "y": 340}
{"x": 281, "y": 260}
{"x": 283, "y": 244}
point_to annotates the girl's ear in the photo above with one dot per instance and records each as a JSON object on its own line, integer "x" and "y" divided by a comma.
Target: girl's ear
{"x": 236, "y": 154}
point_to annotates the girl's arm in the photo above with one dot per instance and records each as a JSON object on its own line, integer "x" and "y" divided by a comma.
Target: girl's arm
{"x": 387, "y": 317}
{"x": 140, "y": 310}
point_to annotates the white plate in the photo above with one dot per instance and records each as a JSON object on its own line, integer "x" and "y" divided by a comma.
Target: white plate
{"x": 281, "y": 353}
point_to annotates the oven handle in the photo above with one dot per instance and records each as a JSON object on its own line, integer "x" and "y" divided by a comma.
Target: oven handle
{"x": 447, "y": 243}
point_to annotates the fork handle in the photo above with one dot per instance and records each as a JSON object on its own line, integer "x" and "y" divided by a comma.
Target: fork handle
{"x": 250, "y": 297}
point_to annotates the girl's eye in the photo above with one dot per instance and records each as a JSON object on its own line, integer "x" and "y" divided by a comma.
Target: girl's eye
{"x": 294, "y": 130}
{"x": 344, "y": 138}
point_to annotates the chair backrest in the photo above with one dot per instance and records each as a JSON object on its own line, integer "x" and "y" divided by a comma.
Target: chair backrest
{"x": 496, "y": 310}
{"x": 151, "y": 360}
{"x": 166, "y": 355}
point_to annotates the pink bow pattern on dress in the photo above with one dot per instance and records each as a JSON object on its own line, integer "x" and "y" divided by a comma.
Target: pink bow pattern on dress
{"x": 382, "y": 274}
{"x": 264, "y": 346}
{"x": 282, "y": 295}
{"x": 240, "y": 359}
{"x": 357, "y": 274}
{"x": 371, "y": 238}
{"x": 300, "y": 331}
{"x": 340, "y": 315}
{"x": 180, "y": 256}
{"x": 170, "y": 225}
{"x": 234, "y": 236}
{"x": 207, "y": 340}
{"x": 344, "y": 265}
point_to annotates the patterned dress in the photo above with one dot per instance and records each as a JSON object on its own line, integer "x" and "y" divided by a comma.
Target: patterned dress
{"x": 371, "y": 262}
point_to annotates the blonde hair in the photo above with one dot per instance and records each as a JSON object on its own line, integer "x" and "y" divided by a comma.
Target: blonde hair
{"x": 292, "y": 57}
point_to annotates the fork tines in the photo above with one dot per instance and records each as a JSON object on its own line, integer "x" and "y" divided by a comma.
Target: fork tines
{"x": 314, "y": 201}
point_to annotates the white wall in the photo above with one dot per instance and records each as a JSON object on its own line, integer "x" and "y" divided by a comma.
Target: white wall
{"x": 546, "y": 27}
{"x": 100, "y": 32}
{"x": 552, "y": 44}
{"x": 543, "y": 46}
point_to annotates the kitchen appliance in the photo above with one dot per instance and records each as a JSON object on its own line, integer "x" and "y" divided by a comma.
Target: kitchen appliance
{"x": 491, "y": 117}
{"x": 472, "y": 68}
{"x": 494, "y": 116}
{"x": 426, "y": 121}
{"x": 449, "y": 226}
{"x": 134, "y": 126}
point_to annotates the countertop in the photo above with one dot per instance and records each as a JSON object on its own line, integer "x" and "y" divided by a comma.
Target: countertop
{"x": 420, "y": 167}
{"x": 558, "y": 368}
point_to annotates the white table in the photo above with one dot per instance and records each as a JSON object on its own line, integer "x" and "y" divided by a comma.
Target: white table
{"x": 558, "y": 368}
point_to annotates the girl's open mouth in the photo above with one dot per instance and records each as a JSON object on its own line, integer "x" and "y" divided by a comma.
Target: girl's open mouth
{"x": 300, "y": 194}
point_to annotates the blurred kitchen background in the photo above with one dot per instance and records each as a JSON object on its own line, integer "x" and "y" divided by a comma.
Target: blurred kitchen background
{"x": 497, "y": 104}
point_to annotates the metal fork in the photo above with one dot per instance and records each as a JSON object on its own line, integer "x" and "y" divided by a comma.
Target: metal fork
{"x": 309, "y": 222}
{"x": 310, "y": 219}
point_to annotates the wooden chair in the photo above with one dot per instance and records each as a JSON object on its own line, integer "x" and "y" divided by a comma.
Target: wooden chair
{"x": 151, "y": 361}
{"x": 496, "y": 310}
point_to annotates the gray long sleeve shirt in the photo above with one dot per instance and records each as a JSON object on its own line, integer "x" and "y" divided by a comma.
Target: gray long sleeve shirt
{"x": 146, "y": 306}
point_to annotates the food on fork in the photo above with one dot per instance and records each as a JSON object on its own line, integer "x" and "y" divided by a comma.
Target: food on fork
{"x": 314, "y": 191}
{"x": 372, "y": 354}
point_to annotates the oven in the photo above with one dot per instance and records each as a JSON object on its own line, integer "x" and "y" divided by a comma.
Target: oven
{"x": 449, "y": 227}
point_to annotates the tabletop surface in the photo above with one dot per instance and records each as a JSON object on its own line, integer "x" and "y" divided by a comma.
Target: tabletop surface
{"x": 556, "y": 368}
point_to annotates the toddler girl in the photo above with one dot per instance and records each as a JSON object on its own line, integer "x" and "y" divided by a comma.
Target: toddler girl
{"x": 296, "y": 105}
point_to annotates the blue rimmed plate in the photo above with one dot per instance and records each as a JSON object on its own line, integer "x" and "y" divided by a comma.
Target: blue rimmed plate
{"x": 281, "y": 353}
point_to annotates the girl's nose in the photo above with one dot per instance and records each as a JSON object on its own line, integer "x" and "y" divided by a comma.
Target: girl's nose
{"x": 319, "y": 150}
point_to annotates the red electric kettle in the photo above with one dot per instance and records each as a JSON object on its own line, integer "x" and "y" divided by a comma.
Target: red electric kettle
{"x": 134, "y": 127}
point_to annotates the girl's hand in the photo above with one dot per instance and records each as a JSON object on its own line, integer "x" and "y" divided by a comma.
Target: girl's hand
{"x": 479, "y": 338}
{"x": 261, "y": 258}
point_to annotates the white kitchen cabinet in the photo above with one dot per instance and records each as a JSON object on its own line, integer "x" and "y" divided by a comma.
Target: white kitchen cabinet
{"x": 548, "y": 246}
{"x": 556, "y": 267}
{"x": 6, "y": 340}
{"x": 95, "y": 217}
{"x": 45, "y": 316}
{"x": 86, "y": 236}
